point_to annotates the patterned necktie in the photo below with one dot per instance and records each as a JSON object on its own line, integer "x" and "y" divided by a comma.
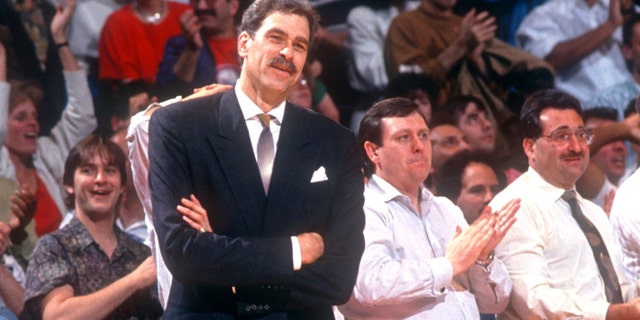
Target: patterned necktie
{"x": 600, "y": 252}
{"x": 265, "y": 151}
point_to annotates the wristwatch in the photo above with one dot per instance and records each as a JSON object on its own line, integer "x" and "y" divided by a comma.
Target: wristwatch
{"x": 484, "y": 263}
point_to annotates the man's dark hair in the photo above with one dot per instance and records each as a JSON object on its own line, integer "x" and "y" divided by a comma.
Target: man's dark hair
{"x": 539, "y": 101}
{"x": 259, "y": 10}
{"x": 457, "y": 105}
{"x": 604, "y": 113}
{"x": 448, "y": 179}
{"x": 371, "y": 125}
{"x": 627, "y": 28}
{"x": 83, "y": 152}
{"x": 405, "y": 84}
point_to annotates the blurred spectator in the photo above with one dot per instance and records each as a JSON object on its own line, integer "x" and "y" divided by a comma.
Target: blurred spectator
{"x": 205, "y": 53}
{"x": 14, "y": 37}
{"x": 607, "y": 163}
{"x": 446, "y": 141}
{"x": 367, "y": 26}
{"x": 311, "y": 93}
{"x": 469, "y": 180}
{"x": 36, "y": 17}
{"x": 133, "y": 39}
{"x": 462, "y": 56}
{"x": 91, "y": 269}
{"x": 416, "y": 87}
{"x": 471, "y": 116}
{"x": 36, "y": 163}
{"x": 581, "y": 39}
{"x": 618, "y": 95}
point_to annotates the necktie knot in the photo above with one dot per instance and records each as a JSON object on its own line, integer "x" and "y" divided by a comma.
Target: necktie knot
{"x": 265, "y": 120}
{"x": 569, "y": 196}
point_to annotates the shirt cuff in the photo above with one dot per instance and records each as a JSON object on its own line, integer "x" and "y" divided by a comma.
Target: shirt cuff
{"x": 297, "y": 255}
{"x": 442, "y": 272}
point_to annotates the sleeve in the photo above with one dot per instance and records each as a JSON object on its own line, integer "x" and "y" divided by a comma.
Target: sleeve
{"x": 540, "y": 32}
{"x": 383, "y": 279}
{"x": 366, "y": 49}
{"x": 4, "y": 111}
{"x": 533, "y": 294}
{"x": 77, "y": 121}
{"x": 401, "y": 49}
{"x": 48, "y": 269}
{"x": 491, "y": 289}
{"x": 172, "y": 51}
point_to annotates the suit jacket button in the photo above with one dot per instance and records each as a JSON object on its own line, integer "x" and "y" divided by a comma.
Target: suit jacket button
{"x": 266, "y": 307}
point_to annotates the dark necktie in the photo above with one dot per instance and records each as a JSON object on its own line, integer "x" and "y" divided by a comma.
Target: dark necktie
{"x": 265, "y": 151}
{"x": 600, "y": 252}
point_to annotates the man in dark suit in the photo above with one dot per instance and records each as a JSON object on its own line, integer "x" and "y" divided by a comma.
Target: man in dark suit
{"x": 287, "y": 236}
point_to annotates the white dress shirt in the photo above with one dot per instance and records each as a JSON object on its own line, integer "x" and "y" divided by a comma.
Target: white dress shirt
{"x": 561, "y": 20}
{"x": 403, "y": 273}
{"x": 551, "y": 264}
{"x": 625, "y": 220}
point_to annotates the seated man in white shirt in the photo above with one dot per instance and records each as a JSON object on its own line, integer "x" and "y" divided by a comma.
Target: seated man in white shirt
{"x": 421, "y": 259}
{"x": 560, "y": 253}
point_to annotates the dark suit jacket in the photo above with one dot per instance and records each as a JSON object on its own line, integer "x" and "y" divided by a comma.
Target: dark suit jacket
{"x": 203, "y": 147}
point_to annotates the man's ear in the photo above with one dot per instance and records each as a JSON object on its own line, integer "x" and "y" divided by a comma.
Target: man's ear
{"x": 529, "y": 146}
{"x": 372, "y": 151}
{"x": 69, "y": 189}
{"x": 244, "y": 40}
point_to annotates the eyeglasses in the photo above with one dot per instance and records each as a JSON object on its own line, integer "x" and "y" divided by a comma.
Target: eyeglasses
{"x": 562, "y": 137}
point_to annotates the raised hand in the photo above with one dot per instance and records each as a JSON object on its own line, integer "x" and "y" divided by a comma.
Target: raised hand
{"x": 194, "y": 214}
{"x": 466, "y": 246}
{"x": 191, "y": 30}
{"x": 476, "y": 29}
{"x": 61, "y": 19}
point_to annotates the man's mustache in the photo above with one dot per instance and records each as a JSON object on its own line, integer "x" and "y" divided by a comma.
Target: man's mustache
{"x": 203, "y": 12}
{"x": 282, "y": 62}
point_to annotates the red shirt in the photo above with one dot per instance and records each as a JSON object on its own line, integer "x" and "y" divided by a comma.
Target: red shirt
{"x": 47, "y": 215}
{"x": 132, "y": 49}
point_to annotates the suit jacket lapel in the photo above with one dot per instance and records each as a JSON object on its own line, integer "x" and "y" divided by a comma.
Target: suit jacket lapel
{"x": 232, "y": 146}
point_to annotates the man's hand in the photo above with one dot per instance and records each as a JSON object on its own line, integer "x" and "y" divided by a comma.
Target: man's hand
{"x": 476, "y": 30}
{"x": 23, "y": 207}
{"x": 59, "y": 23}
{"x": 311, "y": 247}
{"x": 209, "y": 90}
{"x": 191, "y": 30}
{"x": 505, "y": 218}
{"x": 194, "y": 214}
{"x": 145, "y": 274}
{"x": 465, "y": 246}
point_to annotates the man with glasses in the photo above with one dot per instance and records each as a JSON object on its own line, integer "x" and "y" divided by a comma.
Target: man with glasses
{"x": 556, "y": 271}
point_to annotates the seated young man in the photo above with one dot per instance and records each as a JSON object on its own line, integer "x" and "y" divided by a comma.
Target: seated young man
{"x": 90, "y": 269}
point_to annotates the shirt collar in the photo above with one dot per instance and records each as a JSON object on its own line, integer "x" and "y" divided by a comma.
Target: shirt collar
{"x": 388, "y": 192}
{"x": 547, "y": 188}
{"x": 250, "y": 109}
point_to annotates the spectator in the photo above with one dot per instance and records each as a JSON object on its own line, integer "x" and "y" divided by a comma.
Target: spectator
{"x": 367, "y": 28}
{"x": 133, "y": 39}
{"x": 581, "y": 40}
{"x": 311, "y": 93}
{"x": 560, "y": 252}
{"x": 469, "y": 181}
{"x": 416, "y": 87}
{"x": 421, "y": 260}
{"x": 89, "y": 268}
{"x": 34, "y": 162}
{"x": 446, "y": 141}
{"x": 608, "y": 154}
{"x": 462, "y": 57}
{"x": 206, "y": 51}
